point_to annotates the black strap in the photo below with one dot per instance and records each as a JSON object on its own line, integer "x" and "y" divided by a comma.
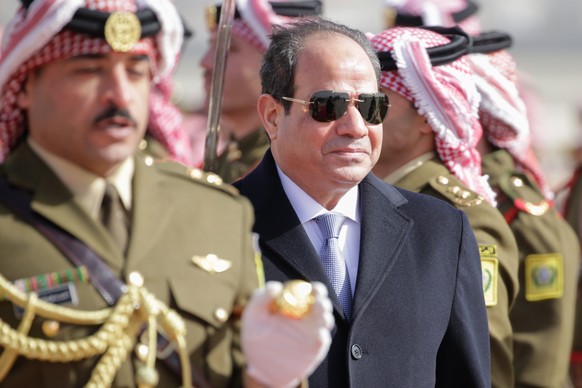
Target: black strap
{"x": 100, "y": 275}
{"x": 406, "y": 20}
{"x": 439, "y": 55}
{"x": 490, "y": 41}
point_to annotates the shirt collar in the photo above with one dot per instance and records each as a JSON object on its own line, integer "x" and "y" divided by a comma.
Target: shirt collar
{"x": 307, "y": 208}
{"x": 87, "y": 187}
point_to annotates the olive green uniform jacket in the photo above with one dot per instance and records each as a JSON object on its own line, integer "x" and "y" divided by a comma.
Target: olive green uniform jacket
{"x": 174, "y": 217}
{"x": 543, "y": 314}
{"x": 242, "y": 156}
{"x": 572, "y": 213}
{"x": 498, "y": 257}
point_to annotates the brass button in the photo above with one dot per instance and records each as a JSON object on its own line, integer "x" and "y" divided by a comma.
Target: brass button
{"x": 143, "y": 144}
{"x": 135, "y": 279}
{"x": 50, "y": 328}
{"x": 517, "y": 182}
{"x": 196, "y": 173}
{"x": 221, "y": 315}
{"x": 149, "y": 161}
{"x": 443, "y": 180}
{"x": 213, "y": 178}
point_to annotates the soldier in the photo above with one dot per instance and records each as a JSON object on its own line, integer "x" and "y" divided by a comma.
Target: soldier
{"x": 240, "y": 124}
{"x": 548, "y": 252}
{"x": 429, "y": 147}
{"x": 80, "y": 210}
{"x": 548, "y": 247}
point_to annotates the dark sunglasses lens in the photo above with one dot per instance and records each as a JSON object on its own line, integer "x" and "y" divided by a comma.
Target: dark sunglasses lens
{"x": 373, "y": 107}
{"x": 328, "y": 106}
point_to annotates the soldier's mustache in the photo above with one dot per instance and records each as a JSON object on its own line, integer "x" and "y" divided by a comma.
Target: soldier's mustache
{"x": 113, "y": 112}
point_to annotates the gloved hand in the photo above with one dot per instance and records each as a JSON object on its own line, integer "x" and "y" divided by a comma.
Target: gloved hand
{"x": 279, "y": 350}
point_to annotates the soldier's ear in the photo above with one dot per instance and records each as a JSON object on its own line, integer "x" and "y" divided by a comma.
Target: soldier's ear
{"x": 269, "y": 110}
{"x": 23, "y": 96}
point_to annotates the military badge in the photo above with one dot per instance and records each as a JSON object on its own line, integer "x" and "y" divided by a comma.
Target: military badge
{"x": 211, "y": 263}
{"x": 489, "y": 272}
{"x": 544, "y": 276}
{"x": 122, "y": 31}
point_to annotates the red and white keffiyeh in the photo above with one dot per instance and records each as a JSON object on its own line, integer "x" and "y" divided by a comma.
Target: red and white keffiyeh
{"x": 255, "y": 24}
{"x": 437, "y": 13}
{"x": 34, "y": 37}
{"x": 503, "y": 113}
{"x": 446, "y": 95}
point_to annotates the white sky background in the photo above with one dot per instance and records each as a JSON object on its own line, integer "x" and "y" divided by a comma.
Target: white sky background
{"x": 547, "y": 46}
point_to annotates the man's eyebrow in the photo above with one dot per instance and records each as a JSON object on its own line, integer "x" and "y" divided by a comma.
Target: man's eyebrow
{"x": 137, "y": 57}
{"x": 86, "y": 56}
{"x": 140, "y": 57}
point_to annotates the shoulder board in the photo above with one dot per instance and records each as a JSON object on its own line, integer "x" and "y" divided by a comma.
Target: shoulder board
{"x": 193, "y": 174}
{"x": 524, "y": 194}
{"x": 455, "y": 191}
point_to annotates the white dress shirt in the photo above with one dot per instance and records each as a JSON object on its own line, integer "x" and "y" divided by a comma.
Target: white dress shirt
{"x": 307, "y": 208}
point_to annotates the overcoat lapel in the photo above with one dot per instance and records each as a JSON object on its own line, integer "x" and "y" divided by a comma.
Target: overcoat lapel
{"x": 384, "y": 229}
{"x": 52, "y": 200}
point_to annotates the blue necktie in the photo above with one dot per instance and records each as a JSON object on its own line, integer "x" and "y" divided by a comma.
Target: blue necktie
{"x": 332, "y": 260}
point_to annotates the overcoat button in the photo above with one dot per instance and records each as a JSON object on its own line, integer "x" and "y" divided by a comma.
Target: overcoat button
{"x": 356, "y": 352}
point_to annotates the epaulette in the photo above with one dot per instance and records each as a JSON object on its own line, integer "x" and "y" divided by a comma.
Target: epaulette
{"x": 192, "y": 174}
{"x": 524, "y": 196}
{"x": 455, "y": 191}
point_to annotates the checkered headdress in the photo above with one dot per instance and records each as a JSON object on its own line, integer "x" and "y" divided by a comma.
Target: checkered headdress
{"x": 446, "y": 95}
{"x": 254, "y": 18}
{"x": 42, "y": 33}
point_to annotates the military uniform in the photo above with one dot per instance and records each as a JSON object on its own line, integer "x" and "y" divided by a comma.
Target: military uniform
{"x": 175, "y": 217}
{"x": 572, "y": 211}
{"x": 242, "y": 156}
{"x": 543, "y": 314}
{"x": 498, "y": 256}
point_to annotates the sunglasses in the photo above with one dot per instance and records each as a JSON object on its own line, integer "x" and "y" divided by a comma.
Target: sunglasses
{"x": 327, "y": 105}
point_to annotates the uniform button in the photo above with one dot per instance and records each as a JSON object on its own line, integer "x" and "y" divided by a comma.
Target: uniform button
{"x": 443, "y": 180}
{"x": 221, "y": 315}
{"x": 356, "y": 352}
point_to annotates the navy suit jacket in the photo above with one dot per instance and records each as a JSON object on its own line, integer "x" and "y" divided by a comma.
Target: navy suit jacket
{"x": 418, "y": 316}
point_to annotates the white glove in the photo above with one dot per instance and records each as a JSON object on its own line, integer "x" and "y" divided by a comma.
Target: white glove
{"x": 279, "y": 350}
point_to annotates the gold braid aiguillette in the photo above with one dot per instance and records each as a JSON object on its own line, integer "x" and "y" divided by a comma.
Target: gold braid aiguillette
{"x": 113, "y": 342}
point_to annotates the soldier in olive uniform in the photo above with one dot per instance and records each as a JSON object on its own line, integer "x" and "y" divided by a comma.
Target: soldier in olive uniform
{"x": 548, "y": 248}
{"x": 243, "y": 132}
{"x": 80, "y": 210}
{"x": 429, "y": 147}
{"x": 543, "y": 312}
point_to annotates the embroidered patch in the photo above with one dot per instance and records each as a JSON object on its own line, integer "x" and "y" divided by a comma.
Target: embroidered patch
{"x": 489, "y": 272}
{"x": 544, "y": 276}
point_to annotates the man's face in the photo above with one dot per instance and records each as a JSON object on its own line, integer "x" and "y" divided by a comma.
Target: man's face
{"x": 242, "y": 85}
{"x": 327, "y": 158}
{"x": 90, "y": 110}
{"x": 405, "y": 132}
